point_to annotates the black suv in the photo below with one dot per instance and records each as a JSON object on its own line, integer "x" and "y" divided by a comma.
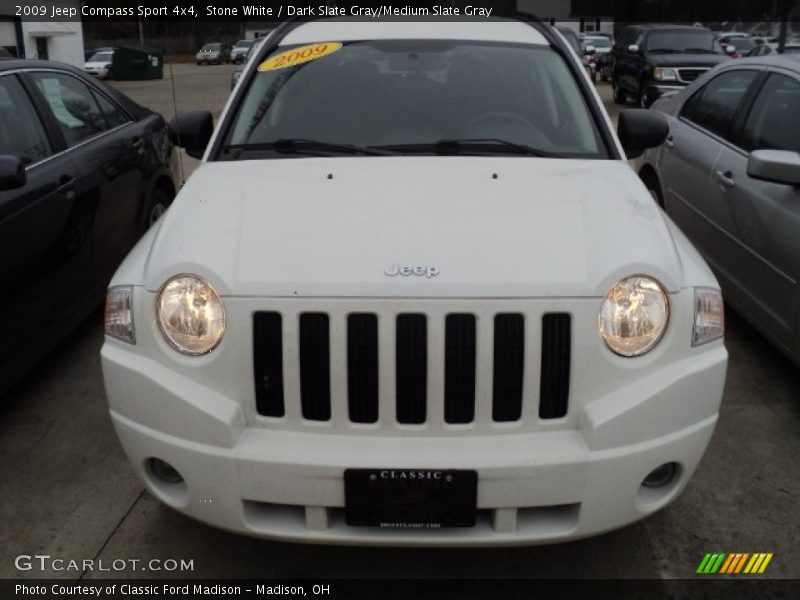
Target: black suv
{"x": 649, "y": 60}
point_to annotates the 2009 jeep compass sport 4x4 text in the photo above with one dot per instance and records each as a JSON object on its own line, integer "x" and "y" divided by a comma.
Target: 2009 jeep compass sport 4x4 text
{"x": 415, "y": 295}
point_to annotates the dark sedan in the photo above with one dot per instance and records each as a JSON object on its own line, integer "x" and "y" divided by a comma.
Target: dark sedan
{"x": 84, "y": 171}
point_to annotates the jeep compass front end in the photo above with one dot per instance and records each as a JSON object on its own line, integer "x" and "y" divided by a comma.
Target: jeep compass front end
{"x": 415, "y": 295}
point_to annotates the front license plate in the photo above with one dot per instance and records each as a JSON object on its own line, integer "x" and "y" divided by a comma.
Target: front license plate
{"x": 410, "y": 498}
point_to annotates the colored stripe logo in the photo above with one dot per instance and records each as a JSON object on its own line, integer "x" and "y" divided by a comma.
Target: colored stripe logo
{"x": 734, "y": 563}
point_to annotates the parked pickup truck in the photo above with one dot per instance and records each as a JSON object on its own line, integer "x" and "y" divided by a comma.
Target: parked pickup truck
{"x": 651, "y": 60}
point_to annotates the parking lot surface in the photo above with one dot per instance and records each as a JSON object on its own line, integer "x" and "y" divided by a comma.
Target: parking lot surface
{"x": 71, "y": 493}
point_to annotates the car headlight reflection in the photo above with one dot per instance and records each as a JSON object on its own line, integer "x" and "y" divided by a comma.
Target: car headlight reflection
{"x": 634, "y": 316}
{"x": 191, "y": 315}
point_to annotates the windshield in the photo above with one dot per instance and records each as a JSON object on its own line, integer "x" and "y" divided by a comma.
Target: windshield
{"x": 102, "y": 57}
{"x": 688, "y": 42}
{"x": 411, "y": 95}
{"x": 244, "y": 44}
{"x": 598, "y": 42}
{"x": 211, "y": 47}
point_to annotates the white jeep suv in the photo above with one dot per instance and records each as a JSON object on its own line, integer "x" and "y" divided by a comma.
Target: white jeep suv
{"x": 415, "y": 295}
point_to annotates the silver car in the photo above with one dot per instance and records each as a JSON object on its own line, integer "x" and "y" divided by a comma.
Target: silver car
{"x": 729, "y": 176}
{"x": 213, "y": 53}
{"x": 239, "y": 69}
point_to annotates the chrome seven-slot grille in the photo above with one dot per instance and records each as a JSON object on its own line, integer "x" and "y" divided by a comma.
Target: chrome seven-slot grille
{"x": 412, "y": 365}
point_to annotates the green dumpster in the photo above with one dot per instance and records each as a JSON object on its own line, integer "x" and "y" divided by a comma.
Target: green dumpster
{"x": 138, "y": 63}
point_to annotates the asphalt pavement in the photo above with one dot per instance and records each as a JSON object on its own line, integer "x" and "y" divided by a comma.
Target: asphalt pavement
{"x": 70, "y": 492}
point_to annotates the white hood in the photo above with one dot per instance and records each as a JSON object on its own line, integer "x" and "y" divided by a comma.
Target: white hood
{"x": 331, "y": 226}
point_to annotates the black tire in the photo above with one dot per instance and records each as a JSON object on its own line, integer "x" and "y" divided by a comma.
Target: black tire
{"x": 620, "y": 97}
{"x": 109, "y": 75}
{"x": 156, "y": 207}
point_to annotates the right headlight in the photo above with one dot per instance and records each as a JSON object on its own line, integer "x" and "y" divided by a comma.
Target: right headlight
{"x": 634, "y": 316}
{"x": 190, "y": 315}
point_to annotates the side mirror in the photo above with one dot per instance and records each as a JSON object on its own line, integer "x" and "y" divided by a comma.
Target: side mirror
{"x": 634, "y": 48}
{"x": 778, "y": 166}
{"x": 192, "y": 130}
{"x": 12, "y": 173}
{"x": 590, "y": 50}
{"x": 639, "y": 129}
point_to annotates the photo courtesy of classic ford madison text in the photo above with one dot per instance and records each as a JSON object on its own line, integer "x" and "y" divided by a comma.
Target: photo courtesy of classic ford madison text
{"x": 342, "y": 289}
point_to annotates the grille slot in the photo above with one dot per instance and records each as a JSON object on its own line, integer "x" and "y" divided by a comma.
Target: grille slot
{"x": 411, "y": 350}
{"x": 315, "y": 372}
{"x": 268, "y": 363}
{"x": 362, "y": 367}
{"x": 556, "y": 351}
{"x": 509, "y": 364}
{"x": 459, "y": 368}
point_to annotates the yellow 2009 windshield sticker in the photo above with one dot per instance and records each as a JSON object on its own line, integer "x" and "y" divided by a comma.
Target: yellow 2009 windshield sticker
{"x": 298, "y": 56}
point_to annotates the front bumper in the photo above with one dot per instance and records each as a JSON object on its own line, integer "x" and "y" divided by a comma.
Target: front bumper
{"x": 98, "y": 72}
{"x": 537, "y": 483}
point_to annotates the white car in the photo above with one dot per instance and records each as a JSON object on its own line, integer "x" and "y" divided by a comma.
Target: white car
{"x": 100, "y": 64}
{"x": 415, "y": 295}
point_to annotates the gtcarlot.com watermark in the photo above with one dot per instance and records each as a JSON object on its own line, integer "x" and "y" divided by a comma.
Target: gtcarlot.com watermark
{"x": 46, "y": 562}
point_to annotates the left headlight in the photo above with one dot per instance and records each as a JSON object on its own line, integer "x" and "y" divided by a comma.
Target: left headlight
{"x": 191, "y": 315}
{"x": 665, "y": 74}
{"x": 634, "y": 316}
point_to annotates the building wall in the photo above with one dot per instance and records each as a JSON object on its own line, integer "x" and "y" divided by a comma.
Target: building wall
{"x": 64, "y": 39}
{"x": 8, "y": 34}
{"x": 561, "y": 12}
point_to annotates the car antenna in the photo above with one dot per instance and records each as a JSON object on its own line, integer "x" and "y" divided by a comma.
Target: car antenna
{"x": 175, "y": 110}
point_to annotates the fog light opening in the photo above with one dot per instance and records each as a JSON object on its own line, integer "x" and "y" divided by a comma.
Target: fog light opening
{"x": 164, "y": 471}
{"x": 661, "y": 476}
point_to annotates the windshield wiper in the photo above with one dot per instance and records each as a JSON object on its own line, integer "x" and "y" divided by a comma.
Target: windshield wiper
{"x": 305, "y": 146}
{"x": 664, "y": 51}
{"x": 480, "y": 145}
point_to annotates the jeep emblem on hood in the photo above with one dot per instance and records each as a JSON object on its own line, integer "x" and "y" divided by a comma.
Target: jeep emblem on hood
{"x": 407, "y": 270}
